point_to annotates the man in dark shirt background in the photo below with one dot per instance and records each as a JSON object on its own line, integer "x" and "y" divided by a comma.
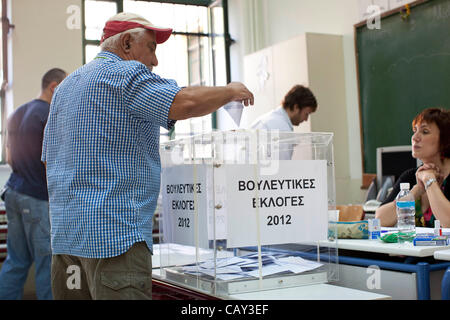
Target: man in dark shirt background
{"x": 26, "y": 196}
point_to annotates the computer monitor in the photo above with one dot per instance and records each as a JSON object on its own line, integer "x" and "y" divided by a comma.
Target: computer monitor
{"x": 393, "y": 161}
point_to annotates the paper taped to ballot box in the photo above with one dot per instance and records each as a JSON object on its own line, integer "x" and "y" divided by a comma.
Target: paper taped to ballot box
{"x": 185, "y": 194}
{"x": 189, "y": 200}
{"x": 236, "y": 203}
{"x": 288, "y": 206}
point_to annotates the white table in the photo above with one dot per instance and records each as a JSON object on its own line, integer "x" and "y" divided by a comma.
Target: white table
{"x": 181, "y": 255}
{"x": 402, "y": 249}
{"x": 391, "y": 249}
{"x": 442, "y": 255}
{"x": 378, "y": 246}
{"x": 311, "y": 292}
{"x": 405, "y": 249}
{"x": 308, "y": 292}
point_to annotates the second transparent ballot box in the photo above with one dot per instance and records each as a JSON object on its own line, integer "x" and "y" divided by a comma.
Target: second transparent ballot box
{"x": 243, "y": 211}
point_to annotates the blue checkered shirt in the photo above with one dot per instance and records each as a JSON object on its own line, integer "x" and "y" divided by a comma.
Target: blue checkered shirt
{"x": 101, "y": 146}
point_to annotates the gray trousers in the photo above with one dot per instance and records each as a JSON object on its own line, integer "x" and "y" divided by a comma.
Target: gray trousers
{"x": 125, "y": 277}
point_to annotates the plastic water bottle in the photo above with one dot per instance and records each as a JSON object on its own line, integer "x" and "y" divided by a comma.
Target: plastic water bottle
{"x": 406, "y": 211}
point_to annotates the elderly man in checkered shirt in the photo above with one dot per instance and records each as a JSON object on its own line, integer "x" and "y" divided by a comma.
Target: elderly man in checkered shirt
{"x": 101, "y": 149}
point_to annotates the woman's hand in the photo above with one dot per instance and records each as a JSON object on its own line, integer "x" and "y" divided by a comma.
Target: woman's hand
{"x": 420, "y": 173}
{"x": 426, "y": 172}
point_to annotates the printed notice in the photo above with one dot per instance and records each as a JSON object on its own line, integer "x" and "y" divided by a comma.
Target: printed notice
{"x": 184, "y": 195}
{"x": 288, "y": 207}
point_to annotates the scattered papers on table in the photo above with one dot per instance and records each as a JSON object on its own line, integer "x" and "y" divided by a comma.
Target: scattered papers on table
{"x": 170, "y": 254}
{"x": 248, "y": 266}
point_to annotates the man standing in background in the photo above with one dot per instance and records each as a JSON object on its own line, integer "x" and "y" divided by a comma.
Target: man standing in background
{"x": 26, "y": 197}
{"x": 297, "y": 105}
{"x": 295, "y": 108}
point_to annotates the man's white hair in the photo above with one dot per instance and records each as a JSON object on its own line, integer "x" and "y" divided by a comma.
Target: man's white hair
{"x": 112, "y": 43}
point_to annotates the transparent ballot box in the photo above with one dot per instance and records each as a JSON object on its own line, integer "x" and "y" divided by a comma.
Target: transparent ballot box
{"x": 245, "y": 210}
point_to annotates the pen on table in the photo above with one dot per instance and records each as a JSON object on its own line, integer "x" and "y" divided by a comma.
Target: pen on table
{"x": 393, "y": 230}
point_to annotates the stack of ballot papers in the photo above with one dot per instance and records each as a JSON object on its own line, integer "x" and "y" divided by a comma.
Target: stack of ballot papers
{"x": 176, "y": 254}
{"x": 248, "y": 266}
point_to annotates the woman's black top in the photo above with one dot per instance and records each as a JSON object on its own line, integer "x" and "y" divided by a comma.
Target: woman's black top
{"x": 409, "y": 176}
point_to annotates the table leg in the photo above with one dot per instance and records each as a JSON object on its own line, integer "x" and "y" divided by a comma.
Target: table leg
{"x": 423, "y": 281}
{"x": 445, "y": 289}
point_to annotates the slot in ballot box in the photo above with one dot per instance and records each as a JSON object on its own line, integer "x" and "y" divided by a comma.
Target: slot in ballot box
{"x": 245, "y": 210}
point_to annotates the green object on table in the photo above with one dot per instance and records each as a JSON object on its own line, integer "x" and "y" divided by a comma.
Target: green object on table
{"x": 390, "y": 237}
{"x": 393, "y": 237}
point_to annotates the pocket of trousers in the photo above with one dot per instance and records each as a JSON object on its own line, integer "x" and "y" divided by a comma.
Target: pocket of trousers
{"x": 42, "y": 247}
{"x": 118, "y": 284}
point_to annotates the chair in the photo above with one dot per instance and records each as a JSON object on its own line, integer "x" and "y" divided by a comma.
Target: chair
{"x": 386, "y": 188}
{"x": 372, "y": 192}
{"x": 350, "y": 213}
{"x": 376, "y": 195}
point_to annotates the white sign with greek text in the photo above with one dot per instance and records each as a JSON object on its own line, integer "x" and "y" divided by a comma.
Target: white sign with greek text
{"x": 287, "y": 207}
{"x": 184, "y": 195}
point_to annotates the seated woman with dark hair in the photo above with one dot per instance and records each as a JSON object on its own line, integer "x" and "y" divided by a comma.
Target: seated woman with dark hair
{"x": 431, "y": 144}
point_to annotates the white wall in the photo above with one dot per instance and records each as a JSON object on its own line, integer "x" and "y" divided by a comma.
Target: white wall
{"x": 40, "y": 40}
{"x": 256, "y": 24}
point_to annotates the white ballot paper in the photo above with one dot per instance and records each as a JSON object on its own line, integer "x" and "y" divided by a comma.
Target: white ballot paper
{"x": 234, "y": 109}
{"x": 247, "y": 266}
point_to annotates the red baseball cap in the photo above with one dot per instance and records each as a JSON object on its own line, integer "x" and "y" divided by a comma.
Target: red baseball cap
{"x": 124, "y": 21}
